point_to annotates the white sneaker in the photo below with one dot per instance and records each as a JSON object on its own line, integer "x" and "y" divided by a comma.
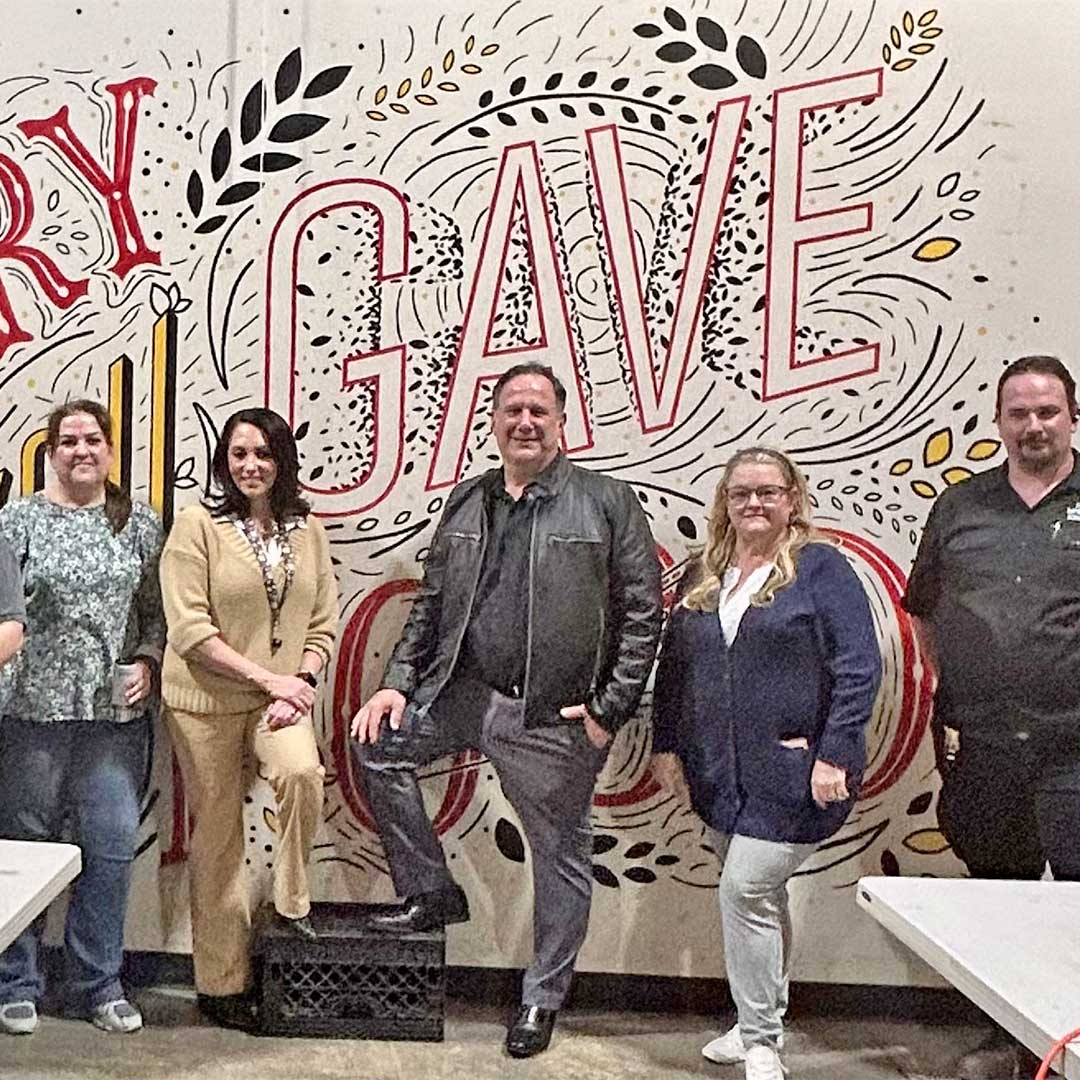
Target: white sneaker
{"x": 18, "y": 1018}
{"x": 118, "y": 1017}
{"x": 763, "y": 1063}
{"x": 728, "y": 1049}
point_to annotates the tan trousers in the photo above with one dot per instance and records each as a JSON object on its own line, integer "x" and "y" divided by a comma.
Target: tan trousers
{"x": 211, "y": 750}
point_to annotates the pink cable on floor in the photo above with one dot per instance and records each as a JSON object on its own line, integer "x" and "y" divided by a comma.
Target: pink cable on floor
{"x": 1044, "y": 1068}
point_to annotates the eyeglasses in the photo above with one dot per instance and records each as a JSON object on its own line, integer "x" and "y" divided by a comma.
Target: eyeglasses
{"x": 767, "y": 494}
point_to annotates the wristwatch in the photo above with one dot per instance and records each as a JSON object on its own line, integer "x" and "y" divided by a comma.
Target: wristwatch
{"x": 310, "y": 678}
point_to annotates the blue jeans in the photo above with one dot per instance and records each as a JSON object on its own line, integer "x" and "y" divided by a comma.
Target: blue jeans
{"x": 92, "y": 774}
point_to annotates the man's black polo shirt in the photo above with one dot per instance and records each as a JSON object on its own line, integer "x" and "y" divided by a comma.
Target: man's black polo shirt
{"x": 1000, "y": 584}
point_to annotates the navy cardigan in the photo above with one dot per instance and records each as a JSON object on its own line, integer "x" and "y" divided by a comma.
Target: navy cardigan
{"x": 808, "y": 665}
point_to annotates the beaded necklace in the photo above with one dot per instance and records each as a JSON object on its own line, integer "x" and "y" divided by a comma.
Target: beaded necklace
{"x": 275, "y": 597}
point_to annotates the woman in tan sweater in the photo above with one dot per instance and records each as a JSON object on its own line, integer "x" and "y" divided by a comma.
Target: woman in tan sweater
{"x": 251, "y": 605}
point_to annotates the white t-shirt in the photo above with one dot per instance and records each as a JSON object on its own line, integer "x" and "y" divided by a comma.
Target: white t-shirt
{"x": 734, "y": 601}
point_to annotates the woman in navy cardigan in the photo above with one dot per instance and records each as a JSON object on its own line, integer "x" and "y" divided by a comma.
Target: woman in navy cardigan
{"x": 767, "y": 679}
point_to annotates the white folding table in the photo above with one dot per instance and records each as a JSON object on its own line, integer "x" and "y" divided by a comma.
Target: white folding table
{"x": 1012, "y": 947}
{"x": 32, "y": 875}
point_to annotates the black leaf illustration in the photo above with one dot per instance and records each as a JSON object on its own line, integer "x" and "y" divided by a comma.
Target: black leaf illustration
{"x": 889, "y": 863}
{"x": 296, "y": 126}
{"x": 676, "y": 99}
{"x": 647, "y": 30}
{"x": 251, "y": 113}
{"x": 325, "y": 81}
{"x": 650, "y": 91}
{"x": 712, "y": 77}
{"x": 517, "y": 86}
{"x": 675, "y": 52}
{"x": 300, "y": 432}
{"x": 270, "y": 162}
{"x": 305, "y": 290}
{"x": 539, "y": 115}
{"x": 657, "y": 122}
{"x": 220, "y": 155}
{"x": 568, "y": 110}
{"x": 602, "y": 843}
{"x": 971, "y": 424}
{"x": 641, "y": 874}
{"x": 619, "y": 85}
{"x": 750, "y": 57}
{"x": 316, "y": 472}
{"x": 320, "y": 341}
{"x": 505, "y": 118}
{"x": 587, "y": 80}
{"x": 661, "y": 860}
{"x": 639, "y": 850}
{"x": 508, "y": 840}
{"x": 921, "y": 803}
{"x": 479, "y": 132}
{"x": 486, "y": 99}
{"x": 553, "y": 81}
{"x": 288, "y": 76}
{"x": 195, "y": 193}
{"x": 596, "y": 108}
{"x": 711, "y": 34}
{"x": 210, "y": 224}
{"x": 674, "y": 19}
{"x": 603, "y": 876}
{"x": 629, "y": 115}
{"x": 235, "y": 193}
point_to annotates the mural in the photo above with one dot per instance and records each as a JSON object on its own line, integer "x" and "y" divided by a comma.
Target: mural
{"x": 811, "y": 224}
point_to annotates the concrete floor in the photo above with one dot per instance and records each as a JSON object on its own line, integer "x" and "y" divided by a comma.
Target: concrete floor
{"x": 589, "y": 1043}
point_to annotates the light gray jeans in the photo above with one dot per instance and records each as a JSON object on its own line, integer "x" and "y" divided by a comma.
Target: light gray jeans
{"x": 757, "y": 929}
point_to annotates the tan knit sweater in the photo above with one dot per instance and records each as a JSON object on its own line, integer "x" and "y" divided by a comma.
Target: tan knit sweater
{"x": 211, "y": 585}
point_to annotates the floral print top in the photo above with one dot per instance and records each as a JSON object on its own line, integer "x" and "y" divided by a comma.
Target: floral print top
{"x": 92, "y": 598}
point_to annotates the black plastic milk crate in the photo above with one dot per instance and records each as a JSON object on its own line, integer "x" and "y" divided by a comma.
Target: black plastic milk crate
{"x": 352, "y": 982}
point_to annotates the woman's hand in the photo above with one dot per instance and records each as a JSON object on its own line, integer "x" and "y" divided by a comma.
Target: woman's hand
{"x": 139, "y": 685}
{"x": 290, "y": 689}
{"x": 282, "y": 714}
{"x": 828, "y": 783}
{"x": 668, "y": 772}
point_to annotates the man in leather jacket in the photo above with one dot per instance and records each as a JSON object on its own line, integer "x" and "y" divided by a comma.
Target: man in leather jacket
{"x": 531, "y": 638}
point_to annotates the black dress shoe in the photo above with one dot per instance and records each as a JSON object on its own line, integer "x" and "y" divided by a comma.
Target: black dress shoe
{"x": 530, "y": 1033}
{"x": 423, "y": 912}
{"x": 229, "y": 1010}
{"x": 301, "y": 927}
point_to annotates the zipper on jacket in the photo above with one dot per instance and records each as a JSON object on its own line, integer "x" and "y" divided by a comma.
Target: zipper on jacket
{"x": 529, "y": 626}
{"x": 468, "y": 612}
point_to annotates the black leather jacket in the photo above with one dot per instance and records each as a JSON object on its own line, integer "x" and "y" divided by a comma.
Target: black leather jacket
{"x": 594, "y": 599}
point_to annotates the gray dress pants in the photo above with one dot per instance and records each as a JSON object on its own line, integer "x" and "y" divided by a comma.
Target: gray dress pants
{"x": 547, "y": 774}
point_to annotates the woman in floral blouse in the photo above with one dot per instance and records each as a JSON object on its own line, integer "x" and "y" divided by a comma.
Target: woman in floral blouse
{"x": 89, "y": 558}
{"x": 252, "y": 607}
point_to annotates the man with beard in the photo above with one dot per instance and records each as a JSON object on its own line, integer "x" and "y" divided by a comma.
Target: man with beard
{"x": 995, "y": 599}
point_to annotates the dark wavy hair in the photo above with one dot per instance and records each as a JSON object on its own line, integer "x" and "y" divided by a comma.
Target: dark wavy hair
{"x": 285, "y": 498}
{"x": 531, "y": 368}
{"x": 1040, "y": 365}
{"x": 117, "y": 500}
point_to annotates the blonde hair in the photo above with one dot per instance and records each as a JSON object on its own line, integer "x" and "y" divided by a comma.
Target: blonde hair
{"x": 719, "y": 552}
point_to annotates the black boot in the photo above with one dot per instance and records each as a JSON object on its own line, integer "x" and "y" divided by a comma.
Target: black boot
{"x": 229, "y": 1010}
